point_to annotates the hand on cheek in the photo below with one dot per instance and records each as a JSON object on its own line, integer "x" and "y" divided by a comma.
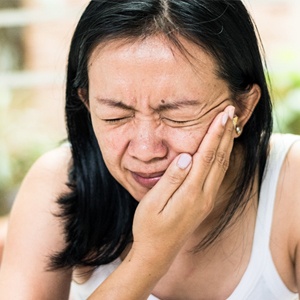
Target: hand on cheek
{"x": 172, "y": 210}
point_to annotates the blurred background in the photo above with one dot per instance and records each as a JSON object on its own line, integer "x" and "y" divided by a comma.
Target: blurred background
{"x": 34, "y": 41}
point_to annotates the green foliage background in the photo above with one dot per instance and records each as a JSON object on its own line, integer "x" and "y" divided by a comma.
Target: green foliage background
{"x": 286, "y": 95}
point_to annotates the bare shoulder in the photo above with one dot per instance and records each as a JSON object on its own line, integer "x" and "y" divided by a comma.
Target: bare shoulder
{"x": 35, "y": 232}
{"x": 292, "y": 161}
{"x": 294, "y": 153}
{"x": 290, "y": 205}
{"x": 286, "y": 218}
{"x": 53, "y": 165}
{"x": 292, "y": 184}
{"x": 293, "y": 192}
{"x": 289, "y": 187}
{"x": 46, "y": 180}
{"x": 291, "y": 175}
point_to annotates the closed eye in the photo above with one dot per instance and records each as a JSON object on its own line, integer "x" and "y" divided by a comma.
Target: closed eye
{"x": 116, "y": 120}
{"x": 177, "y": 121}
{"x": 180, "y": 122}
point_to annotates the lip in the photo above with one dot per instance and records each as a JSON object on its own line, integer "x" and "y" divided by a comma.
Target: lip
{"x": 147, "y": 180}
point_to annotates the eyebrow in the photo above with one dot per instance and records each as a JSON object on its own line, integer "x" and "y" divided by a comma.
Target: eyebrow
{"x": 115, "y": 103}
{"x": 177, "y": 104}
{"x": 162, "y": 107}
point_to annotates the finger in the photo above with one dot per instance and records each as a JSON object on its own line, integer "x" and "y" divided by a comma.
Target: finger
{"x": 205, "y": 156}
{"x": 206, "y": 174}
{"x": 222, "y": 158}
{"x": 172, "y": 179}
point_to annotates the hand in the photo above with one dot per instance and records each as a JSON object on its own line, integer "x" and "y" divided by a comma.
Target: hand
{"x": 177, "y": 205}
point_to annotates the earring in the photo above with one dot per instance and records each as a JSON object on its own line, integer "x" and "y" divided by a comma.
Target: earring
{"x": 234, "y": 121}
{"x": 237, "y": 129}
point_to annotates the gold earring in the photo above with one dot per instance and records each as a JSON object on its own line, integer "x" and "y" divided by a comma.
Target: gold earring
{"x": 234, "y": 121}
{"x": 237, "y": 129}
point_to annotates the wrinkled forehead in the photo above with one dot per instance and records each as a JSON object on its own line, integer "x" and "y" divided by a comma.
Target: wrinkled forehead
{"x": 152, "y": 69}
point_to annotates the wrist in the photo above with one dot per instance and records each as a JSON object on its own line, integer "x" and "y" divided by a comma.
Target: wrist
{"x": 135, "y": 278}
{"x": 154, "y": 261}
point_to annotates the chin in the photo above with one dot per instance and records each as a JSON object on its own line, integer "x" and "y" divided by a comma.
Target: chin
{"x": 137, "y": 195}
{"x": 137, "y": 192}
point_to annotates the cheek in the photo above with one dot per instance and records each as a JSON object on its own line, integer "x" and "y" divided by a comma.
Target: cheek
{"x": 112, "y": 145}
{"x": 185, "y": 140}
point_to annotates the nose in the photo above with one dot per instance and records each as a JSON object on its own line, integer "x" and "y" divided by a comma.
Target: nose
{"x": 146, "y": 143}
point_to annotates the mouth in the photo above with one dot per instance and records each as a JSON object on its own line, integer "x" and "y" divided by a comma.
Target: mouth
{"x": 147, "y": 180}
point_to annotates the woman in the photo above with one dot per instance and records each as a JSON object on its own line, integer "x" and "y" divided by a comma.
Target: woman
{"x": 171, "y": 187}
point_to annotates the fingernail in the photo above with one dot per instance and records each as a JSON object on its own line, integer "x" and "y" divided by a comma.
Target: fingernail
{"x": 225, "y": 118}
{"x": 184, "y": 161}
{"x": 231, "y": 112}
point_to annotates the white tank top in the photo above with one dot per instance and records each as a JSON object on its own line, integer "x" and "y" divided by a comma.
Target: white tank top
{"x": 261, "y": 280}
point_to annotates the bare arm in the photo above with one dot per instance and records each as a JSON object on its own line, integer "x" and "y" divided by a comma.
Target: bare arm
{"x": 168, "y": 215}
{"x": 34, "y": 234}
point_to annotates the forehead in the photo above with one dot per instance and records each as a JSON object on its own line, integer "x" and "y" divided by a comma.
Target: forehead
{"x": 154, "y": 48}
{"x": 153, "y": 68}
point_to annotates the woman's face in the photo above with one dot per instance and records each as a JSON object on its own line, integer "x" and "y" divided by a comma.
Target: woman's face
{"x": 149, "y": 103}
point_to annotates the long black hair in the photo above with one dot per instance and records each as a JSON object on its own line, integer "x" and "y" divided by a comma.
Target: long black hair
{"x": 98, "y": 212}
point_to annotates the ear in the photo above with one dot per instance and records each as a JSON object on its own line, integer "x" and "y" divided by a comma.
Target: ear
{"x": 245, "y": 109}
{"x": 83, "y": 95}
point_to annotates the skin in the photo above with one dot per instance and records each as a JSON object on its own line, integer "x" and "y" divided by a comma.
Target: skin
{"x": 177, "y": 171}
{"x": 3, "y": 230}
{"x": 145, "y": 112}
